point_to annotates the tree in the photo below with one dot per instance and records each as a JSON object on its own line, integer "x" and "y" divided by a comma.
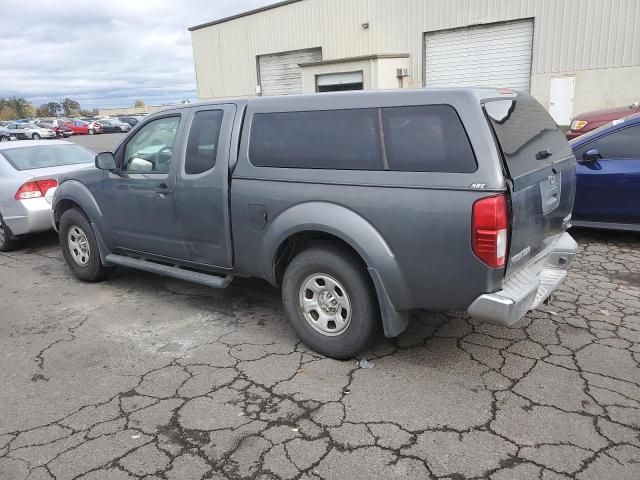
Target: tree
{"x": 49, "y": 109}
{"x": 43, "y": 111}
{"x": 16, "y": 108}
{"x": 7, "y": 112}
{"x": 54, "y": 108}
{"x": 70, "y": 106}
{"x": 138, "y": 103}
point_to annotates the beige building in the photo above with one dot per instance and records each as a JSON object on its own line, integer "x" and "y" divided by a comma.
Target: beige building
{"x": 133, "y": 110}
{"x": 572, "y": 55}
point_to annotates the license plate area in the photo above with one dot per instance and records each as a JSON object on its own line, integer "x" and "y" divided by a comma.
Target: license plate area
{"x": 551, "y": 192}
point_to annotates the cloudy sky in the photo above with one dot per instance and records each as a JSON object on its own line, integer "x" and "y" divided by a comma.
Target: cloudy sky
{"x": 104, "y": 53}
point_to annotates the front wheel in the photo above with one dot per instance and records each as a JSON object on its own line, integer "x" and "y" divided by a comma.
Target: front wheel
{"x": 4, "y": 139}
{"x": 35, "y": 136}
{"x": 91, "y": 132}
{"x": 329, "y": 301}
{"x": 80, "y": 247}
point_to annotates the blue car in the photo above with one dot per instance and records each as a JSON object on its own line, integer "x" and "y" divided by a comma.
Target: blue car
{"x": 608, "y": 186}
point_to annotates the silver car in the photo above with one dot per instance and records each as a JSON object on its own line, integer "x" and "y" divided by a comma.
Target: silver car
{"x": 6, "y": 135}
{"x": 29, "y": 173}
{"x": 29, "y": 131}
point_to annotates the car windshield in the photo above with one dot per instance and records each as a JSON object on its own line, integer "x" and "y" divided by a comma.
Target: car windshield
{"x": 44, "y": 156}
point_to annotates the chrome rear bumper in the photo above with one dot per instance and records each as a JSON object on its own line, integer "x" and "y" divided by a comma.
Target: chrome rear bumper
{"x": 529, "y": 287}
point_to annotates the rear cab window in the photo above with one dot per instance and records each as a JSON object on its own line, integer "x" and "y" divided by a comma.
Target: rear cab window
{"x": 528, "y": 137}
{"x": 423, "y": 138}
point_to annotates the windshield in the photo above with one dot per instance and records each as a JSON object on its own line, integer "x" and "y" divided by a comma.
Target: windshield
{"x": 44, "y": 156}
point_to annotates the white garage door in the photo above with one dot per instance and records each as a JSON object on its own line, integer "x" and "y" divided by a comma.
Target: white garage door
{"x": 497, "y": 55}
{"x": 280, "y": 73}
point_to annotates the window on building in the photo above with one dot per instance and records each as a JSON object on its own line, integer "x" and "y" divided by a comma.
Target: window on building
{"x": 202, "y": 147}
{"x": 426, "y": 139}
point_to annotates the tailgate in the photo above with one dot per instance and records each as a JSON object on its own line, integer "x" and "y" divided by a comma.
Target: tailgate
{"x": 542, "y": 172}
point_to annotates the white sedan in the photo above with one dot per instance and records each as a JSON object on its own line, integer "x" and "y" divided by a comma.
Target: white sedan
{"x": 29, "y": 131}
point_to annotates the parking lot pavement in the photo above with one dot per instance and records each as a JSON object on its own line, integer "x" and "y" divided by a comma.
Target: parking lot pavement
{"x": 147, "y": 377}
{"x": 98, "y": 143}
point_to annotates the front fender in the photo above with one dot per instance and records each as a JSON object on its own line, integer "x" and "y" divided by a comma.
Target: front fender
{"x": 361, "y": 235}
{"x": 78, "y": 193}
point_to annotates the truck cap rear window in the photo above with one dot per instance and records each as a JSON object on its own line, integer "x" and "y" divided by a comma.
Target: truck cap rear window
{"x": 529, "y": 138}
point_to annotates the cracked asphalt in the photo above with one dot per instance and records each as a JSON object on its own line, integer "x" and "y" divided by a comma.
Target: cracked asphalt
{"x": 150, "y": 378}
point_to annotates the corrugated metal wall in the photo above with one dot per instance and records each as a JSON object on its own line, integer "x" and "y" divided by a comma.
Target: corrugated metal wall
{"x": 570, "y": 35}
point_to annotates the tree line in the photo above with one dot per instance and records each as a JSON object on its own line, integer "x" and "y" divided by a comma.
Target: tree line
{"x": 15, "y": 108}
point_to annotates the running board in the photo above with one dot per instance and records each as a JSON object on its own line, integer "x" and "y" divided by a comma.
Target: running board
{"x": 213, "y": 281}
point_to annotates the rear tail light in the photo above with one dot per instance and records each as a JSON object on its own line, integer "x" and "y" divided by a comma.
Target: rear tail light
{"x": 35, "y": 189}
{"x": 490, "y": 225}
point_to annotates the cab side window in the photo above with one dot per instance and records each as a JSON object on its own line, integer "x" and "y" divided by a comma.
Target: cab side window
{"x": 202, "y": 147}
{"x": 151, "y": 148}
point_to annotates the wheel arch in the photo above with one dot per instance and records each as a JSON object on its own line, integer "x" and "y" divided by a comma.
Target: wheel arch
{"x": 318, "y": 222}
{"x": 73, "y": 194}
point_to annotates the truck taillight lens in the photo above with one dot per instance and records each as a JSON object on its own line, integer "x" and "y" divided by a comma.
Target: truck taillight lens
{"x": 490, "y": 225}
{"x": 35, "y": 189}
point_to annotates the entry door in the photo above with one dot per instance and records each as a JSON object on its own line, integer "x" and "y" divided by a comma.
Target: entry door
{"x": 561, "y": 95}
{"x": 139, "y": 202}
{"x": 202, "y": 187}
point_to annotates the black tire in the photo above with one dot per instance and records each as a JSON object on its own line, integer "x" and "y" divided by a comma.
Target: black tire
{"x": 91, "y": 131}
{"x": 35, "y": 136}
{"x": 349, "y": 273}
{"x": 93, "y": 270}
{"x": 4, "y": 139}
{"x": 7, "y": 242}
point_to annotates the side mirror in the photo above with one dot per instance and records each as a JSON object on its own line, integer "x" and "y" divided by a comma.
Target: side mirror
{"x": 106, "y": 161}
{"x": 591, "y": 156}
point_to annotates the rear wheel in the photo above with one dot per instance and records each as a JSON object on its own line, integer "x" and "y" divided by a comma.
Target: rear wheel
{"x": 329, "y": 301}
{"x": 80, "y": 247}
{"x": 36, "y": 136}
{"x": 7, "y": 243}
{"x": 91, "y": 132}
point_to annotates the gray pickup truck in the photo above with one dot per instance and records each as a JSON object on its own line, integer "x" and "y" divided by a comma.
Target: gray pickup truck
{"x": 362, "y": 206}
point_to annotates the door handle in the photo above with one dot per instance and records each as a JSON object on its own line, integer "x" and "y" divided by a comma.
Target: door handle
{"x": 543, "y": 154}
{"x": 163, "y": 189}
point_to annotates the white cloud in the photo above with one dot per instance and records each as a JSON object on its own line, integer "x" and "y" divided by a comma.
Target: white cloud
{"x": 104, "y": 53}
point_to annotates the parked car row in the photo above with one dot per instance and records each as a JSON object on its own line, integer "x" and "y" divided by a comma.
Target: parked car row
{"x": 45, "y": 128}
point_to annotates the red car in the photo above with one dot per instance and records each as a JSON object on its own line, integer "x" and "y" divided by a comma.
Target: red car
{"x": 78, "y": 127}
{"x": 591, "y": 120}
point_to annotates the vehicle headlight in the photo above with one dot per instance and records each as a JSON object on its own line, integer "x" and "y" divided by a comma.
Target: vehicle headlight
{"x": 578, "y": 124}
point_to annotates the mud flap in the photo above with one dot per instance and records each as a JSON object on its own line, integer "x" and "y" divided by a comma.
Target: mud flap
{"x": 393, "y": 322}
